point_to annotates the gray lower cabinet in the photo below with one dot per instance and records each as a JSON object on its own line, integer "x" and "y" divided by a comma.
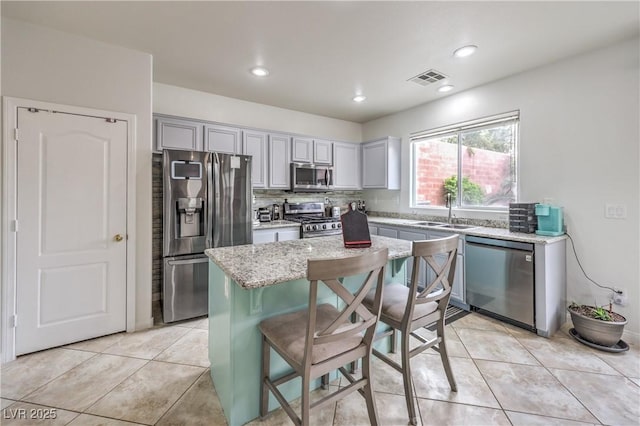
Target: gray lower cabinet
{"x": 172, "y": 133}
{"x": 415, "y": 236}
{"x": 276, "y": 234}
{"x": 222, "y": 139}
{"x": 457, "y": 288}
{"x": 387, "y": 232}
{"x": 426, "y": 274}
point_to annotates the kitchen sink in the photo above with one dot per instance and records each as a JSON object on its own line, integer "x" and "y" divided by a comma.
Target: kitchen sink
{"x": 429, "y": 223}
{"x": 456, "y": 226}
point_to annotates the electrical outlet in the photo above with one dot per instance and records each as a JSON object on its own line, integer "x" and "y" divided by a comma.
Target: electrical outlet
{"x": 615, "y": 211}
{"x": 619, "y": 297}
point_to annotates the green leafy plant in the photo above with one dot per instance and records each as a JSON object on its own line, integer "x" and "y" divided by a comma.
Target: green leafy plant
{"x": 601, "y": 314}
{"x": 472, "y": 193}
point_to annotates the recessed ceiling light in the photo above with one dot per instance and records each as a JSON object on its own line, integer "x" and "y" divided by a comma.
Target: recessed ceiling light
{"x": 445, "y": 88}
{"x": 465, "y": 51}
{"x": 259, "y": 71}
{"x": 359, "y": 98}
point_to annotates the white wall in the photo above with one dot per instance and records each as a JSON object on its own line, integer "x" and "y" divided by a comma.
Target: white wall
{"x": 48, "y": 65}
{"x": 579, "y": 145}
{"x": 182, "y": 102}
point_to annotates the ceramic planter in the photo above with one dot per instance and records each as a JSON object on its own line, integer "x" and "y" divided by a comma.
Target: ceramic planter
{"x": 604, "y": 333}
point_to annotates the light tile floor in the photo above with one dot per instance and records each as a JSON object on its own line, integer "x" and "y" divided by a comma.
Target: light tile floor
{"x": 505, "y": 376}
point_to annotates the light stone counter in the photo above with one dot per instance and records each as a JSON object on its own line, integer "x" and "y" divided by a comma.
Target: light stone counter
{"x": 261, "y": 265}
{"x": 480, "y": 231}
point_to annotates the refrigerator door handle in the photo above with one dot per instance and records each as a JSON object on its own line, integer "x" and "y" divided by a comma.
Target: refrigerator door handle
{"x": 209, "y": 217}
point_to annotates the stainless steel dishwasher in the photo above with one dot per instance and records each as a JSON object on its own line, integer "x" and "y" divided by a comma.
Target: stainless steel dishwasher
{"x": 500, "y": 280}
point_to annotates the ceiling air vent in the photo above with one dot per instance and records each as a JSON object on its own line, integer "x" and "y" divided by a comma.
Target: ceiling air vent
{"x": 428, "y": 77}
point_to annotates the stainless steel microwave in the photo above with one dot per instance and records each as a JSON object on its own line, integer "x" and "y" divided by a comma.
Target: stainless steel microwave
{"x": 311, "y": 177}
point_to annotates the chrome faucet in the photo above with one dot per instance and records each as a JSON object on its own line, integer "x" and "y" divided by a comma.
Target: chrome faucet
{"x": 449, "y": 204}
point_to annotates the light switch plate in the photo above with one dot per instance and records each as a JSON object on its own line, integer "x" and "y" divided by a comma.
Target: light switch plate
{"x": 615, "y": 211}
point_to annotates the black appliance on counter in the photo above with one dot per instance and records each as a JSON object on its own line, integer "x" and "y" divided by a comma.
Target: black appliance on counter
{"x": 312, "y": 219}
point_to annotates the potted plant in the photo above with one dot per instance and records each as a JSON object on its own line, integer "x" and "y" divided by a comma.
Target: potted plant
{"x": 597, "y": 325}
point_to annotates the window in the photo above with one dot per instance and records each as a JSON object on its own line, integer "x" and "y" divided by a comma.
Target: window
{"x": 475, "y": 162}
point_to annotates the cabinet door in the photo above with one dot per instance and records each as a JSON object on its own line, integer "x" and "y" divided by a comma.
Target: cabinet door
{"x": 322, "y": 151}
{"x": 387, "y": 232}
{"x": 279, "y": 159}
{"x": 222, "y": 139}
{"x": 288, "y": 234}
{"x": 302, "y": 150}
{"x": 255, "y": 144}
{"x": 415, "y": 236}
{"x": 457, "y": 287}
{"x": 264, "y": 236}
{"x": 374, "y": 165}
{"x": 346, "y": 166}
{"x": 178, "y": 134}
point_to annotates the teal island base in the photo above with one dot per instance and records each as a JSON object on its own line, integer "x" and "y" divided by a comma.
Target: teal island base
{"x": 234, "y": 338}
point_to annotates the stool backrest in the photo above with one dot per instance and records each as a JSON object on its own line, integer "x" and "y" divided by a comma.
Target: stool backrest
{"x": 346, "y": 325}
{"x": 439, "y": 256}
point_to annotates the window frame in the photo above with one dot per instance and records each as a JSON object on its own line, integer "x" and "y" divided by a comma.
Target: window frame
{"x": 457, "y": 129}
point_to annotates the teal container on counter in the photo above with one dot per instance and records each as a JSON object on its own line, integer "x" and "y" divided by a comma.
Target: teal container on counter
{"x": 550, "y": 220}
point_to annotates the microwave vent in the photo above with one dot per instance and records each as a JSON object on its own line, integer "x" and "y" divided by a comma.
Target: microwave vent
{"x": 428, "y": 77}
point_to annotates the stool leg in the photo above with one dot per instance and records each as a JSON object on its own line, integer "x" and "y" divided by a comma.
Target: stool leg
{"x": 442, "y": 348}
{"x": 368, "y": 391}
{"x": 264, "y": 376}
{"x": 406, "y": 377}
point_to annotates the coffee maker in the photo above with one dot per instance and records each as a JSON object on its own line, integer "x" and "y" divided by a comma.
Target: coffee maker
{"x": 275, "y": 212}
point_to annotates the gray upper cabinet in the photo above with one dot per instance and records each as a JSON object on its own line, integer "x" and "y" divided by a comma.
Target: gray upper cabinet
{"x": 346, "y": 165}
{"x": 222, "y": 139}
{"x": 322, "y": 151}
{"x": 381, "y": 163}
{"x": 254, "y": 143}
{"x": 279, "y": 159}
{"x": 309, "y": 150}
{"x": 302, "y": 150}
{"x": 173, "y": 133}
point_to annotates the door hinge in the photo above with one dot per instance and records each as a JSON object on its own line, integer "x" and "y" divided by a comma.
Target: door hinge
{"x": 33, "y": 109}
{"x": 14, "y": 225}
{"x": 13, "y": 321}
{"x": 15, "y": 134}
{"x": 111, "y": 120}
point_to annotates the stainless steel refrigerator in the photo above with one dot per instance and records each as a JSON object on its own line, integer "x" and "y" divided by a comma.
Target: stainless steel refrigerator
{"x": 207, "y": 203}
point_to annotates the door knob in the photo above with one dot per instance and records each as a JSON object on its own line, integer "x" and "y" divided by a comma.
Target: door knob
{"x": 118, "y": 237}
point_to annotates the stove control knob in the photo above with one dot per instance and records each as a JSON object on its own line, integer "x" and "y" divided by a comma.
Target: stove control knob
{"x": 314, "y": 227}
{"x": 339, "y": 225}
{"x": 333, "y": 225}
{"x": 307, "y": 228}
{"x": 324, "y": 226}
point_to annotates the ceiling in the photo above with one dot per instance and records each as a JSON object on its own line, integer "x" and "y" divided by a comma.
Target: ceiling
{"x": 320, "y": 54}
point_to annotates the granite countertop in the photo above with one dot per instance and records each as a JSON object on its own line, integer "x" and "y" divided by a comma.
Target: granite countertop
{"x": 479, "y": 231}
{"x": 261, "y": 265}
{"x": 274, "y": 224}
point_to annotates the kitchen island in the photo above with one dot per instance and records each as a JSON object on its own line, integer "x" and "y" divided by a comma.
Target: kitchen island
{"x": 252, "y": 282}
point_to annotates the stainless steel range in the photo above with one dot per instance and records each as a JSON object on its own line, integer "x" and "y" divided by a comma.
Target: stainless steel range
{"x": 312, "y": 219}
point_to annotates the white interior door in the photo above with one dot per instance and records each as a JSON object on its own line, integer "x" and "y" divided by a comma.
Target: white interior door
{"x": 71, "y": 238}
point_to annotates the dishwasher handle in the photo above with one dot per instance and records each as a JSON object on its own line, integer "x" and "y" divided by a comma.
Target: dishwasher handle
{"x": 481, "y": 241}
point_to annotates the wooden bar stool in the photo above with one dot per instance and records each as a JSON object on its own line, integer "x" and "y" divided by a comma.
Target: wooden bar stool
{"x": 323, "y": 338}
{"x": 407, "y": 309}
